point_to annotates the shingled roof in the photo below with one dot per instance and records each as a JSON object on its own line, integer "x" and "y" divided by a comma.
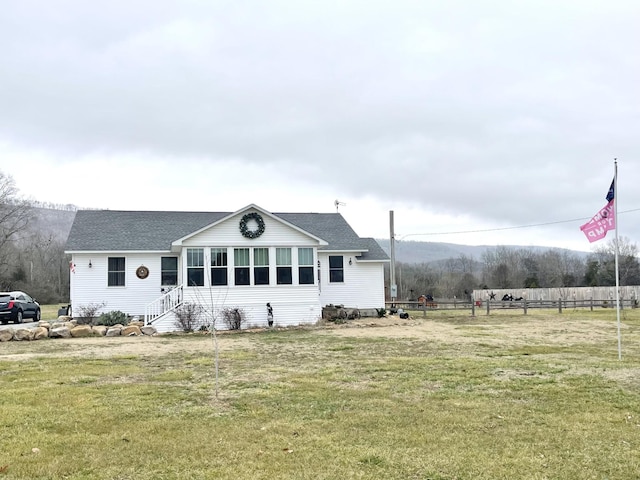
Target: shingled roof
{"x": 113, "y": 230}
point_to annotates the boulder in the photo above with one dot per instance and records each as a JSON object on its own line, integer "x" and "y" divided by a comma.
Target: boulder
{"x": 44, "y": 324}
{"x": 114, "y": 331}
{"x": 148, "y": 330}
{"x": 64, "y": 318}
{"x": 81, "y": 331}
{"x": 59, "y": 332}
{"x": 6, "y": 334}
{"x": 40, "y": 332}
{"x": 23, "y": 334}
{"x": 130, "y": 331}
{"x": 137, "y": 323}
{"x": 99, "y": 330}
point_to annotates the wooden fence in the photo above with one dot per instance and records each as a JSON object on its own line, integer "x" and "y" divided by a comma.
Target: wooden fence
{"x": 479, "y": 306}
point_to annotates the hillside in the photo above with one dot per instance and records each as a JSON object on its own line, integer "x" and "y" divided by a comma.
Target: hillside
{"x": 428, "y": 252}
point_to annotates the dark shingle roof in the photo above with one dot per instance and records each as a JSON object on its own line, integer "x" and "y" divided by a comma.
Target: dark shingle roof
{"x": 112, "y": 230}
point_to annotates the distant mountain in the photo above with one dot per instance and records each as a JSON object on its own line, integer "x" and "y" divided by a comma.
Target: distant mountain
{"x": 52, "y": 221}
{"x": 431, "y": 252}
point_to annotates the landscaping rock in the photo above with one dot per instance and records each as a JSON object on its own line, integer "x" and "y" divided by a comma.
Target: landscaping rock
{"x": 64, "y": 318}
{"x": 6, "y": 334}
{"x": 44, "y": 324}
{"x": 81, "y": 331}
{"x": 60, "y": 332}
{"x": 114, "y": 331}
{"x": 99, "y": 330}
{"x": 23, "y": 334}
{"x": 130, "y": 330}
{"x": 148, "y": 330}
{"x": 40, "y": 332}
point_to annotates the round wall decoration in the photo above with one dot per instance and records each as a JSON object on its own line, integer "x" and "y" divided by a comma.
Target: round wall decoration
{"x": 142, "y": 272}
{"x": 249, "y": 217}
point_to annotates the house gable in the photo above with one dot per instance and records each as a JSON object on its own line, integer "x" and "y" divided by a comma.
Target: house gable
{"x": 226, "y": 231}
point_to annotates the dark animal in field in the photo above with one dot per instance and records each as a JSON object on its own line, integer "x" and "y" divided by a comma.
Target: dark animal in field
{"x": 507, "y": 297}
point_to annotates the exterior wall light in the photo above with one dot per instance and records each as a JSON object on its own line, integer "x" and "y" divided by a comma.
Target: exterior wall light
{"x": 90, "y": 265}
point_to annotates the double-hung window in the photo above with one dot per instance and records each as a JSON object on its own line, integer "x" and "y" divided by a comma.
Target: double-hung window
{"x": 305, "y": 266}
{"x": 116, "y": 272}
{"x": 195, "y": 267}
{"x": 336, "y": 269}
{"x": 241, "y": 266}
{"x": 218, "y": 266}
{"x": 261, "y": 266}
{"x": 169, "y": 271}
{"x": 283, "y": 266}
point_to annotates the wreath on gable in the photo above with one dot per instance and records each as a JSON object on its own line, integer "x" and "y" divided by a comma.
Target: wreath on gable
{"x": 244, "y": 230}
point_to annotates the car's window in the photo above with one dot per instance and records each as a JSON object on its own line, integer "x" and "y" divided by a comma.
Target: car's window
{"x": 28, "y": 298}
{"x": 5, "y": 298}
{"x": 20, "y": 297}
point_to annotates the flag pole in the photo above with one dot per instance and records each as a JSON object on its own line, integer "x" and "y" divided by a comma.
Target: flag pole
{"x": 615, "y": 206}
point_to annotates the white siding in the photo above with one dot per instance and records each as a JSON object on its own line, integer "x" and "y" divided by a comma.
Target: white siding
{"x": 228, "y": 233}
{"x": 89, "y": 285}
{"x": 363, "y": 285}
{"x": 292, "y": 305}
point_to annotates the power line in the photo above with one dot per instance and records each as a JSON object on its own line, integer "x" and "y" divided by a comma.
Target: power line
{"x": 508, "y": 228}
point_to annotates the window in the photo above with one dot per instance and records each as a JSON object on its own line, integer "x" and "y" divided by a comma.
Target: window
{"x": 336, "y": 269}
{"x": 195, "y": 267}
{"x": 305, "y": 266}
{"x": 283, "y": 266}
{"x": 261, "y": 266}
{"x": 241, "y": 262}
{"x": 115, "y": 275}
{"x": 169, "y": 271}
{"x": 218, "y": 266}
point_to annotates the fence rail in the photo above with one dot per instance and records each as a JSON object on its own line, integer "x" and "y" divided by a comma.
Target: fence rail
{"x": 487, "y": 306}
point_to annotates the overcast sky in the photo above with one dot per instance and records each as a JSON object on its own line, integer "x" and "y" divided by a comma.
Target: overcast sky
{"x": 457, "y": 115}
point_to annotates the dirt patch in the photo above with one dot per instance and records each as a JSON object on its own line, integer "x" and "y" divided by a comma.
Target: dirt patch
{"x": 497, "y": 332}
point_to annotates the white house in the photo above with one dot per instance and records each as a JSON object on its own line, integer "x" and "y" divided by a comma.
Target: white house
{"x": 148, "y": 263}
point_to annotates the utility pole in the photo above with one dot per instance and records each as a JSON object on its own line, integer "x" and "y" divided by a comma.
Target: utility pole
{"x": 392, "y": 270}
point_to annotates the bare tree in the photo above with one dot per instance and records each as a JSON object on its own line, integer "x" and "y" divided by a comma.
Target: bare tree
{"x": 15, "y": 214}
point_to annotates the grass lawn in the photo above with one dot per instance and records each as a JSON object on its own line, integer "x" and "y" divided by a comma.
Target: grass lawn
{"x": 505, "y": 396}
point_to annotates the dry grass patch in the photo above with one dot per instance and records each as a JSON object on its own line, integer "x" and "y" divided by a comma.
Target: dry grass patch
{"x": 513, "y": 397}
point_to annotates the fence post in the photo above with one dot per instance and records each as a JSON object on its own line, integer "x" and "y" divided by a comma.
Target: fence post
{"x": 560, "y": 305}
{"x": 488, "y": 303}
{"x": 424, "y": 309}
{"x": 525, "y": 306}
{"x": 591, "y": 302}
{"x": 473, "y": 308}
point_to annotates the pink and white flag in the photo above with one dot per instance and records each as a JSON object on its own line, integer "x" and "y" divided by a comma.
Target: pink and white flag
{"x": 603, "y": 221}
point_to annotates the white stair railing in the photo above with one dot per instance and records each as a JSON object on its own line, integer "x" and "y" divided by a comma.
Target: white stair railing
{"x": 160, "y": 306}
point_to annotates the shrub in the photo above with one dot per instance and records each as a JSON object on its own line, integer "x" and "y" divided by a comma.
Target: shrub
{"x": 84, "y": 314}
{"x": 188, "y": 316}
{"x": 234, "y": 317}
{"x": 381, "y": 312}
{"x": 111, "y": 318}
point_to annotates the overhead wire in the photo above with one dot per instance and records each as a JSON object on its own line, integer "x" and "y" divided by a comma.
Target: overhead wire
{"x": 506, "y": 228}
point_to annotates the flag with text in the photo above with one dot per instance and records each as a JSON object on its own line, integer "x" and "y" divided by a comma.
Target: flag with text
{"x": 603, "y": 221}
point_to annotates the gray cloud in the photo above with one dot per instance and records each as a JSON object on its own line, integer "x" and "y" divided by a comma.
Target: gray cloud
{"x": 508, "y": 113}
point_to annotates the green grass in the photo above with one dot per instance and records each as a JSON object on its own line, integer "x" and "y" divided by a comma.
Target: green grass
{"x": 309, "y": 404}
{"x": 50, "y": 312}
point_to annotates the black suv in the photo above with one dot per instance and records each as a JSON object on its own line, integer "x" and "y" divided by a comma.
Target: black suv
{"x": 15, "y": 306}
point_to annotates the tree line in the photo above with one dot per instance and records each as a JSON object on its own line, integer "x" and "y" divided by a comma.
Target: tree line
{"x": 30, "y": 260}
{"x": 507, "y": 267}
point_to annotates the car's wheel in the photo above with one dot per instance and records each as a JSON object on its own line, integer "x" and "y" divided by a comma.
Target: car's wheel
{"x": 38, "y": 316}
{"x": 19, "y": 316}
